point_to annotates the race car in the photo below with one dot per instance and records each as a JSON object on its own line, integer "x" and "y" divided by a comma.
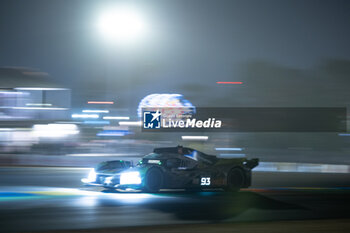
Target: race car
{"x": 175, "y": 168}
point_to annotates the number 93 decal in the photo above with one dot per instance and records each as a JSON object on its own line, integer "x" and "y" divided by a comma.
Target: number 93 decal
{"x": 205, "y": 181}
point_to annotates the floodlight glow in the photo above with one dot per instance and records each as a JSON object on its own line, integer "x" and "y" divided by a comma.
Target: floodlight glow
{"x": 121, "y": 23}
{"x": 130, "y": 178}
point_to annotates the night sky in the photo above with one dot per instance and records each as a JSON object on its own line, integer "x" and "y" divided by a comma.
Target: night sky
{"x": 283, "y": 51}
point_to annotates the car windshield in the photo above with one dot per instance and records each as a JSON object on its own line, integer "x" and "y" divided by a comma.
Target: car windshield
{"x": 109, "y": 165}
{"x": 152, "y": 156}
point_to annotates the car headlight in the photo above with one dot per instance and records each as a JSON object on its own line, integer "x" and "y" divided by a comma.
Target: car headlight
{"x": 92, "y": 175}
{"x": 130, "y": 178}
{"x": 108, "y": 180}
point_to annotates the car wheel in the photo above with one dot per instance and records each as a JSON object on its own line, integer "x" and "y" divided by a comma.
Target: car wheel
{"x": 235, "y": 180}
{"x": 153, "y": 180}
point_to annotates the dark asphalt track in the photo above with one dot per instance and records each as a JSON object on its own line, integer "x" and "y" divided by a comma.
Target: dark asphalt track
{"x": 33, "y": 199}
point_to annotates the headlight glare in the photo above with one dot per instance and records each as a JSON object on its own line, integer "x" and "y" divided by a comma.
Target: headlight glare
{"x": 92, "y": 175}
{"x": 130, "y": 178}
{"x": 108, "y": 180}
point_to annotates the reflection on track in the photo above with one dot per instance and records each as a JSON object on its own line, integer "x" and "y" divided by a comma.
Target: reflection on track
{"x": 47, "y": 208}
{"x": 48, "y": 199}
{"x": 199, "y": 206}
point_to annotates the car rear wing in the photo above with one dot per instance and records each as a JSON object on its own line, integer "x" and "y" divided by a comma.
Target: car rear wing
{"x": 251, "y": 163}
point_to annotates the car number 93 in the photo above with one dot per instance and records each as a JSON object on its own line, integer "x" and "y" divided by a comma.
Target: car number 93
{"x": 205, "y": 181}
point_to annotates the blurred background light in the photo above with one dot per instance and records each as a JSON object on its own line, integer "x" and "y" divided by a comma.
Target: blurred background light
{"x": 229, "y": 82}
{"x": 164, "y": 100}
{"x": 38, "y": 104}
{"x": 130, "y": 123}
{"x": 115, "y": 118}
{"x": 41, "y": 88}
{"x": 96, "y": 122}
{"x": 195, "y": 138}
{"x": 113, "y": 133}
{"x": 94, "y": 116}
{"x": 229, "y": 149}
{"x": 96, "y": 111}
{"x": 100, "y": 102}
{"x": 54, "y": 130}
{"x": 231, "y": 155}
{"x": 38, "y": 108}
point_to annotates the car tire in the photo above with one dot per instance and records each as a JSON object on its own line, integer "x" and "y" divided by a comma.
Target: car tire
{"x": 153, "y": 180}
{"x": 235, "y": 180}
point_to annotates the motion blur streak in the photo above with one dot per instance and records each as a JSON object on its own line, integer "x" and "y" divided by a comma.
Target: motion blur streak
{"x": 97, "y": 122}
{"x": 195, "y": 138}
{"x": 55, "y": 130}
{"x": 130, "y": 123}
{"x": 115, "y": 118}
{"x": 105, "y": 154}
{"x": 229, "y": 149}
{"x": 302, "y": 167}
{"x": 232, "y": 156}
{"x": 229, "y": 82}
{"x": 94, "y": 116}
{"x": 38, "y": 104}
{"x": 40, "y": 89}
{"x": 100, "y": 102}
{"x": 88, "y": 196}
{"x": 96, "y": 111}
{"x": 38, "y": 108}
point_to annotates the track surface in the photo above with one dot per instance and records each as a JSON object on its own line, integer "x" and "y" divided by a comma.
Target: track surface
{"x": 33, "y": 199}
